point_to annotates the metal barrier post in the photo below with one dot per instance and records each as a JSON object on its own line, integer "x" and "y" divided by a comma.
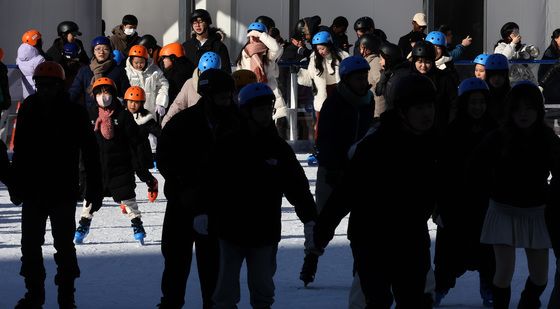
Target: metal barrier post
{"x": 292, "y": 111}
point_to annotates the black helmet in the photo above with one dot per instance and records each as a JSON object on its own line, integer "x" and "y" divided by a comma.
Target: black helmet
{"x": 507, "y": 29}
{"x": 215, "y": 81}
{"x": 412, "y": 89}
{"x": 299, "y": 30}
{"x": 202, "y": 14}
{"x": 371, "y": 42}
{"x": 267, "y": 21}
{"x": 68, "y": 27}
{"x": 148, "y": 41}
{"x": 364, "y": 23}
{"x": 391, "y": 51}
{"x": 424, "y": 49}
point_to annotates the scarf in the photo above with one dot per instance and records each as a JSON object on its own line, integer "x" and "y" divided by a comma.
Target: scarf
{"x": 104, "y": 122}
{"x": 255, "y": 50}
{"x": 98, "y": 69}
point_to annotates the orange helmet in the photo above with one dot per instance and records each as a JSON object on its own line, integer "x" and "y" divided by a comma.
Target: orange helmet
{"x": 1, "y": 54}
{"x": 135, "y": 93}
{"x": 138, "y": 51}
{"x": 31, "y": 37}
{"x": 49, "y": 69}
{"x": 172, "y": 49}
{"x": 104, "y": 81}
{"x": 243, "y": 77}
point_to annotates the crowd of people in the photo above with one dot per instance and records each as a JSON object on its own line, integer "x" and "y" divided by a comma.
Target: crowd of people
{"x": 399, "y": 139}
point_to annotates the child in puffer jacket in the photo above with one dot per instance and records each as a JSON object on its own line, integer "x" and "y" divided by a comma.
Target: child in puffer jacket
{"x": 141, "y": 71}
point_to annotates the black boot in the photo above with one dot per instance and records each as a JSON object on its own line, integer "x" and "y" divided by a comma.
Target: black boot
{"x": 34, "y": 297}
{"x": 501, "y": 297}
{"x": 309, "y": 268}
{"x": 66, "y": 293}
{"x": 530, "y": 295}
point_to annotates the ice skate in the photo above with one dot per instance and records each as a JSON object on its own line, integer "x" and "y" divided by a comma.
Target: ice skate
{"x": 309, "y": 268}
{"x": 82, "y": 231}
{"x": 138, "y": 229}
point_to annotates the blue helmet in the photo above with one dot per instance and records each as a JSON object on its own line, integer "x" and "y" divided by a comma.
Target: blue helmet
{"x": 472, "y": 84}
{"x": 353, "y": 64}
{"x": 257, "y": 26}
{"x": 436, "y": 38}
{"x": 322, "y": 37}
{"x": 497, "y": 62}
{"x": 100, "y": 40}
{"x": 481, "y": 59}
{"x": 209, "y": 60}
{"x": 118, "y": 56}
{"x": 71, "y": 50}
{"x": 524, "y": 82}
{"x": 253, "y": 91}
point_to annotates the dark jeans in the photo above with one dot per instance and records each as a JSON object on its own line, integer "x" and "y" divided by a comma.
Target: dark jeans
{"x": 177, "y": 241}
{"x": 33, "y": 223}
{"x": 399, "y": 271}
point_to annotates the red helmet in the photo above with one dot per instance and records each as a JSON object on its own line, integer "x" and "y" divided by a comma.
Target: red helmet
{"x": 31, "y": 37}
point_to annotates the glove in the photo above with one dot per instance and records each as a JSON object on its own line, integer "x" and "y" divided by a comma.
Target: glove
{"x": 160, "y": 110}
{"x": 152, "y": 190}
{"x": 200, "y": 224}
{"x": 118, "y": 56}
{"x": 254, "y": 33}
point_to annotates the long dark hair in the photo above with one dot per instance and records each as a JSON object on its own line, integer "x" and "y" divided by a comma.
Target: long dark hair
{"x": 334, "y": 51}
{"x": 554, "y": 46}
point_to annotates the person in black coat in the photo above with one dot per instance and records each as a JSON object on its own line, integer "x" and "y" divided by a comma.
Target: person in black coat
{"x": 176, "y": 68}
{"x": 101, "y": 65}
{"x": 460, "y": 212}
{"x": 5, "y": 98}
{"x": 389, "y": 185}
{"x": 516, "y": 168}
{"x": 118, "y": 140}
{"x": 423, "y": 62}
{"x": 68, "y": 31}
{"x": 46, "y": 181}
{"x": 183, "y": 158}
{"x": 365, "y": 25}
{"x": 549, "y": 74}
{"x": 394, "y": 66}
{"x": 259, "y": 169}
{"x": 419, "y": 25}
{"x": 349, "y": 115}
{"x": 204, "y": 39}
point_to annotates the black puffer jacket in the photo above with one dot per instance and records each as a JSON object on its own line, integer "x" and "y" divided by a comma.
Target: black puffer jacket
{"x": 194, "y": 50}
{"x": 244, "y": 189}
{"x": 388, "y": 188}
{"x": 549, "y": 76}
{"x": 56, "y": 51}
{"x": 6, "y": 99}
{"x": 41, "y": 170}
{"x": 118, "y": 154}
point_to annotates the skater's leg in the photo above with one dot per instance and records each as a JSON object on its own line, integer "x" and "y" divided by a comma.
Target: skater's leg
{"x": 131, "y": 207}
{"x": 537, "y": 260}
{"x": 176, "y": 246}
{"x": 356, "y": 299}
{"x": 208, "y": 263}
{"x": 505, "y": 266}
{"x": 33, "y": 223}
{"x": 374, "y": 270}
{"x": 554, "y": 302}
{"x": 226, "y": 294}
{"x": 486, "y": 271}
{"x": 86, "y": 210}
{"x": 409, "y": 278}
{"x": 445, "y": 261}
{"x": 261, "y": 267}
{"x": 63, "y": 226}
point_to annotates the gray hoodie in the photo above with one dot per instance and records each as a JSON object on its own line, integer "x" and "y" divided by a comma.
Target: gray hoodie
{"x": 28, "y": 58}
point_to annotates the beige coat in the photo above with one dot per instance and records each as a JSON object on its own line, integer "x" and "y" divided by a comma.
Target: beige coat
{"x": 373, "y": 78}
{"x": 187, "y": 97}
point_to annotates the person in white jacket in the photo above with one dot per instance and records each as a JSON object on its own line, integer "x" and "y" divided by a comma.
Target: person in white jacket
{"x": 508, "y": 45}
{"x": 28, "y": 58}
{"x": 189, "y": 96}
{"x": 142, "y": 72}
{"x": 260, "y": 55}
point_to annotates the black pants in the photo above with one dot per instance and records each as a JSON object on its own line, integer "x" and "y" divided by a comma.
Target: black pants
{"x": 33, "y": 224}
{"x": 456, "y": 252}
{"x": 398, "y": 271}
{"x": 176, "y": 246}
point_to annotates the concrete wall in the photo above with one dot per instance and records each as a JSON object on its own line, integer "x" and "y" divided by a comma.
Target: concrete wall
{"x": 159, "y": 18}
{"x": 21, "y": 15}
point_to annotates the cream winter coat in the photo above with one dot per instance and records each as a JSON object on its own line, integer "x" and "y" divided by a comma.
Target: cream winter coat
{"x": 311, "y": 75}
{"x": 187, "y": 97}
{"x": 374, "y": 76}
{"x": 275, "y": 51}
{"x": 153, "y": 82}
{"x": 507, "y": 50}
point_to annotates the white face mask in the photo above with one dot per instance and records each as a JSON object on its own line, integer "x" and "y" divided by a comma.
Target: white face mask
{"x": 104, "y": 99}
{"x": 129, "y": 31}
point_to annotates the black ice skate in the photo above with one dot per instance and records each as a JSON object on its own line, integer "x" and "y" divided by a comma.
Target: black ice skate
{"x": 309, "y": 268}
